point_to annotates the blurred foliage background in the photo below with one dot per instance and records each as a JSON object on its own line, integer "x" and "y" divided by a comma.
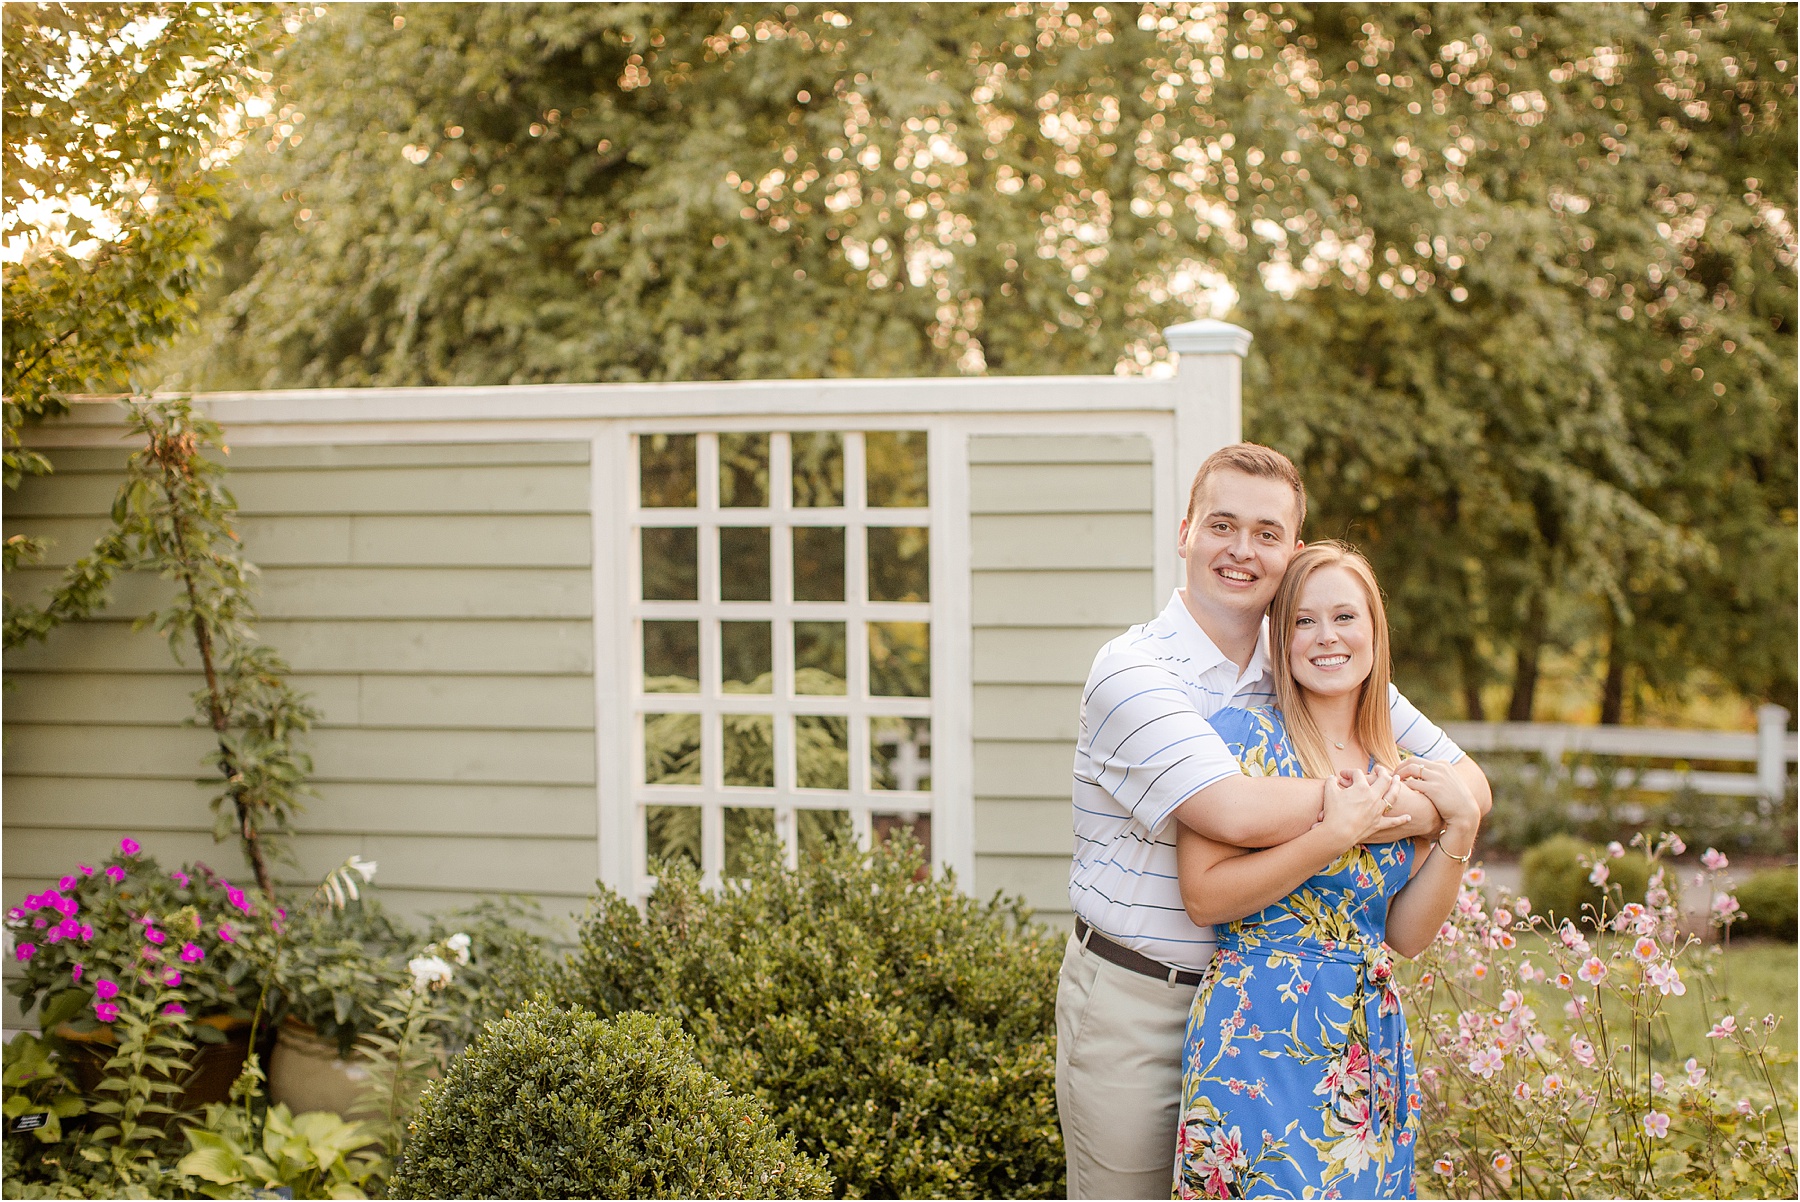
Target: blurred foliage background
{"x": 1521, "y": 276}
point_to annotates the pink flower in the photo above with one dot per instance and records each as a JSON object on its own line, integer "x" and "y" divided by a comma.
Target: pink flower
{"x": 1644, "y": 949}
{"x": 1599, "y": 875}
{"x": 1615, "y": 850}
{"x": 1553, "y": 1084}
{"x": 180, "y": 878}
{"x": 226, "y": 935}
{"x": 1725, "y": 1028}
{"x": 1666, "y": 978}
{"x": 1505, "y": 940}
{"x": 154, "y": 935}
{"x": 1575, "y": 1007}
{"x": 115, "y": 872}
{"x": 1657, "y": 1082}
{"x": 1509, "y": 999}
{"x": 129, "y": 846}
{"x": 104, "y": 989}
{"x": 1443, "y": 1167}
{"x": 1744, "y": 1106}
{"x": 1522, "y": 905}
{"x": 1676, "y": 846}
{"x": 174, "y": 1008}
{"x": 1479, "y": 972}
{"x": 1695, "y": 1073}
{"x": 1592, "y": 970}
{"x": 1503, "y": 1162}
{"x": 1564, "y": 981}
{"x": 1725, "y": 906}
{"x": 1474, "y": 877}
{"x": 192, "y": 953}
{"x": 1522, "y": 1092}
{"x": 67, "y": 882}
{"x": 1486, "y": 1063}
{"x": 1656, "y": 1124}
{"x": 1714, "y": 860}
{"x": 75, "y": 973}
{"x": 25, "y": 951}
{"x": 1583, "y": 1051}
{"x": 106, "y": 1011}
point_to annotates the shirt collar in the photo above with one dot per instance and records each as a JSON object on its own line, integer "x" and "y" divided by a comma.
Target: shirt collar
{"x": 1207, "y": 655}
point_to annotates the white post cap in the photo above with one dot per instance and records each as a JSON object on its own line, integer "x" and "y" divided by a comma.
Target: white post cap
{"x": 1208, "y": 336}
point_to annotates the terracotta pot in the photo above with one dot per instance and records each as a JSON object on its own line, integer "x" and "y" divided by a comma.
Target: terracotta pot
{"x": 215, "y": 1065}
{"x": 306, "y": 1073}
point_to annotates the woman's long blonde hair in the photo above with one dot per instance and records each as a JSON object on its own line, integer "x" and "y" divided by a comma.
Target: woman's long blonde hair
{"x": 1374, "y": 724}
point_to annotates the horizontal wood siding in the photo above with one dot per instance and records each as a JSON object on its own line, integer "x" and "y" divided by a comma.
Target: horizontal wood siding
{"x": 1062, "y": 549}
{"x": 436, "y": 604}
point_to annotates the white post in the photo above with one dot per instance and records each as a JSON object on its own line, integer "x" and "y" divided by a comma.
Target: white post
{"x": 1771, "y": 751}
{"x": 1209, "y": 411}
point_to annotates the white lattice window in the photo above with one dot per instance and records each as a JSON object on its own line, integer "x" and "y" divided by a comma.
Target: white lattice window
{"x": 782, "y": 677}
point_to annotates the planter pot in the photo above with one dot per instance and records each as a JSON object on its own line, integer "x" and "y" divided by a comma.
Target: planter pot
{"x": 306, "y": 1073}
{"x": 215, "y": 1065}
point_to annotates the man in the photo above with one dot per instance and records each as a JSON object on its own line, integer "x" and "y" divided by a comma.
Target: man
{"x": 1147, "y": 758}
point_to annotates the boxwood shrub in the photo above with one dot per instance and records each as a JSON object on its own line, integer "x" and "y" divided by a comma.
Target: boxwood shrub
{"x": 554, "y": 1103}
{"x": 1769, "y": 903}
{"x": 1555, "y": 880}
{"x": 902, "y": 1031}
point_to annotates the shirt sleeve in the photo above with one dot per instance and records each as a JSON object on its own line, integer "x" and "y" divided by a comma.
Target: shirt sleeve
{"x": 1146, "y": 744}
{"x": 1417, "y": 733}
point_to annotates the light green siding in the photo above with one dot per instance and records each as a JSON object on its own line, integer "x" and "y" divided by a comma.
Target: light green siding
{"x": 1062, "y": 551}
{"x": 435, "y": 602}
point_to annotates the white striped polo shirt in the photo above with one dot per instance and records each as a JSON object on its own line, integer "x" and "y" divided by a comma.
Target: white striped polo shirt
{"x": 1144, "y": 748}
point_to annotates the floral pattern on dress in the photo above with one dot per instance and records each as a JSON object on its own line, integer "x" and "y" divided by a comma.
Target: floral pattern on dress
{"x": 1298, "y": 1077}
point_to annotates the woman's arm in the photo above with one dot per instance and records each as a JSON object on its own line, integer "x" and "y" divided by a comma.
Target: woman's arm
{"x": 1419, "y": 909}
{"x": 1220, "y": 882}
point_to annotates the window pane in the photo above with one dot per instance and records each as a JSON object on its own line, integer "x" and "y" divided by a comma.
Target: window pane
{"x": 818, "y": 829}
{"x": 900, "y": 659}
{"x": 883, "y": 827}
{"x": 818, "y": 563}
{"x": 818, "y": 470}
{"x": 900, "y": 754}
{"x": 668, "y": 471}
{"x": 897, "y": 469}
{"x": 750, "y": 750}
{"x": 672, "y": 833}
{"x": 671, "y": 657}
{"x": 899, "y": 563}
{"x": 672, "y": 749}
{"x": 743, "y": 563}
{"x": 747, "y": 652}
{"x": 743, "y": 471}
{"x": 671, "y": 563}
{"x": 742, "y": 826}
{"x": 822, "y": 752}
{"x": 819, "y": 658}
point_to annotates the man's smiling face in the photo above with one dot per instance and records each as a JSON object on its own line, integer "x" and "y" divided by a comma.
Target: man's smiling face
{"x": 1238, "y": 542}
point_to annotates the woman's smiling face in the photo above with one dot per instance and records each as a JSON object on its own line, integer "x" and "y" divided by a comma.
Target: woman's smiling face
{"x": 1331, "y": 648}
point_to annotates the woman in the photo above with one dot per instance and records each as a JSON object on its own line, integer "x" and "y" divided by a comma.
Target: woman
{"x": 1298, "y": 1076}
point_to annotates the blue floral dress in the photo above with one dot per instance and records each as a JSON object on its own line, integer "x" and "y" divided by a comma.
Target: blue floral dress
{"x": 1298, "y": 1076}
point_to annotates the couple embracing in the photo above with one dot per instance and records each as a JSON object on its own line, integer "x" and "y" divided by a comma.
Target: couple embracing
{"x": 1260, "y": 819}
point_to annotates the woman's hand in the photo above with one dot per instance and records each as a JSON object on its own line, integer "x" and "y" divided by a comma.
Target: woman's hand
{"x": 1357, "y": 807}
{"x": 1448, "y": 792}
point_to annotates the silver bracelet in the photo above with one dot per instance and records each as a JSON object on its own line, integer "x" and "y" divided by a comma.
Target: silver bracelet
{"x": 1462, "y": 859}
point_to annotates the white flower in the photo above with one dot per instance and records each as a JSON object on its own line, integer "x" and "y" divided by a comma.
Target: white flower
{"x": 366, "y": 868}
{"x": 429, "y": 972}
{"x": 458, "y": 944}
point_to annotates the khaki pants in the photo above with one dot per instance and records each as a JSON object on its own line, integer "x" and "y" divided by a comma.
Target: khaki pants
{"x": 1118, "y": 1076}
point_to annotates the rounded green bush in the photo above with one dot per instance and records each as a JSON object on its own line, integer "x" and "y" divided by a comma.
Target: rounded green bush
{"x": 552, "y": 1103}
{"x": 1769, "y": 902}
{"x": 903, "y": 1031}
{"x": 1557, "y": 882}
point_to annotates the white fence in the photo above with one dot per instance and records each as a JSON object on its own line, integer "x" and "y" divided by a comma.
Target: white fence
{"x": 1769, "y": 751}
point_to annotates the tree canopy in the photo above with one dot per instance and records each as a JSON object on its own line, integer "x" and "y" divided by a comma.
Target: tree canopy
{"x": 1521, "y": 276}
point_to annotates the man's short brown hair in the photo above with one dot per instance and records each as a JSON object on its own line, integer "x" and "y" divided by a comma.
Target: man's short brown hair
{"x": 1252, "y": 459}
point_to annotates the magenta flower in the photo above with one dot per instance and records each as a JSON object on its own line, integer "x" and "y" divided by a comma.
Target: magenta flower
{"x": 25, "y": 951}
{"x": 154, "y": 935}
{"x": 39, "y": 923}
{"x": 174, "y": 1008}
{"x": 172, "y": 979}
{"x": 192, "y": 953}
{"x": 75, "y": 973}
{"x": 106, "y": 1011}
{"x": 105, "y": 989}
{"x": 226, "y": 934}
{"x": 115, "y": 872}
{"x": 66, "y": 906}
{"x": 67, "y": 882}
{"x": 87, "y": 933}
{"x": 129, "y": 846}
{"x": 68, "y": 928}
{"x": 15, "y": 914}
{"x": 236, "y": 897}
{"x": 180, "y": 878}
{"x": 85, "y": 869}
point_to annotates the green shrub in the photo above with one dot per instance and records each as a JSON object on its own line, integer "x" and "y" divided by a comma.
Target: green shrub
{"x": 552, "y": 1103}
{"x": 1768, "y": 901}
{"x": 902, "y": 1031}
{"x": 1556, "y": 881}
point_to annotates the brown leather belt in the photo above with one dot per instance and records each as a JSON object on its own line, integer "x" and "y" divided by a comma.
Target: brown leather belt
{"x": 1124, "y": 957}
